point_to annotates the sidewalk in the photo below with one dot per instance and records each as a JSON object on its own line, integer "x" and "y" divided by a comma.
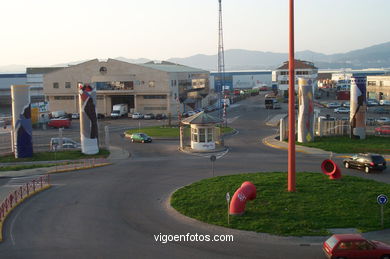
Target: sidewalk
{"x": 116, "y": 154}
{"x": 271, "y": 141}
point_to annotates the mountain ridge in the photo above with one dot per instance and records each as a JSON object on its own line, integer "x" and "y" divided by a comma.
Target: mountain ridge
{"x": 375, "y": 56}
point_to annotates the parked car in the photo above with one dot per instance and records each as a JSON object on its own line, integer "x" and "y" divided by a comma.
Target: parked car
{"x": 188, "y": 114}
{"x": 383, "y": 120}
{"x": 137, "y": 115}
{"x": 367, "y": 161}
{"x": 346, "y": 104}
{"x": 384, "y": 102}
{"x": 333, "y": 105}
{"x": 75, "y": 116}
{"x": 67, "y": 143}
{"x": 341, "y": 110}
{"x": 372, "y": 102}
{"x": 140, "y": 137}
{"x": 381, "y": 110}
{"x": 149, "y": 116}
{"x": 59, "y": 123}
{"x": 382, "y": 130}
{"x": 355, "y": 246}
{"x": 160, "y": 116}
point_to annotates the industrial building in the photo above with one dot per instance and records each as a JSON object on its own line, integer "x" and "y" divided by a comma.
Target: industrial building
{"x": 240, "y": 79}
{"x": 378, "y": 87}
{"x": 146, "y": 88}
{"x": 303, "y": 69}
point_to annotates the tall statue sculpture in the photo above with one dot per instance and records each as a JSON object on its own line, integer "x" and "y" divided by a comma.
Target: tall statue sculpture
{"x": 306, "y": 111}
{"x": 358, "y": 107}
{"x": 88, "y": 119}
{"x": 21, "y": 121}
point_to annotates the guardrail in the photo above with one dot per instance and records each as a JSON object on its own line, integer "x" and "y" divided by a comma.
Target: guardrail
{"x": 80, "y": 164}
{"x": 14, "y": 198}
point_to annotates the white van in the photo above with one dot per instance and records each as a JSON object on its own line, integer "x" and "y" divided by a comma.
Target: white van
{"x": 58, "y": 114}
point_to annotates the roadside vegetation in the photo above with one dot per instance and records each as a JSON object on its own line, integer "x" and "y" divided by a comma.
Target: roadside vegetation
{"x": 22, "y": 167}
{"x": 344, "y": 144}
{"x": 169, "y": 132}
{"x": 317, "y": 205}
{"x": 52, "y": 156}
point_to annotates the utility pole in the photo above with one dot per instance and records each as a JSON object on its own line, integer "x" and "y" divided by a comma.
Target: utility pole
{"x": 291, "y": 104}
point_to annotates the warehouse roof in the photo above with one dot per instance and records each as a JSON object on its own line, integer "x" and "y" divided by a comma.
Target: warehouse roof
{"x": 172, "y": 67}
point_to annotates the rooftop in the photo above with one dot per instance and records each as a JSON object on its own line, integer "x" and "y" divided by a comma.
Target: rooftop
{"x": 299, "y": 64}
{"x": 172, "y": 67}
{"x": 201, "y": 118}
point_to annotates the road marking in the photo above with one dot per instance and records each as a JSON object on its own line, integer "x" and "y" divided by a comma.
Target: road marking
{"x": 231, "y": 120}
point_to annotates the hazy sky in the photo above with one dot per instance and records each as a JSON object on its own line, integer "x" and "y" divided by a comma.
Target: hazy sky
{"x": 47, "y": 32}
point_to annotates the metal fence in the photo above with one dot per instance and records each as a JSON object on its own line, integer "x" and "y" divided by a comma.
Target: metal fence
{"x": 18, "y": 195}
{"x": 42, "y": 139}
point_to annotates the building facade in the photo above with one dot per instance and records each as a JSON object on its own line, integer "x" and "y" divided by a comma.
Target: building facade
{"x": 35, "y": 80}
{"x": 378, "y": 87}
{"x": 303, "y": 69}
{"x": 6, "y": 80}
{"x": 240, "y": 79}
{"x": 146, "y": 88}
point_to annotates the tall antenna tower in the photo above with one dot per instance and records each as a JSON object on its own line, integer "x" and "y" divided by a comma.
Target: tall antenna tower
{"x": 221, "y": 57}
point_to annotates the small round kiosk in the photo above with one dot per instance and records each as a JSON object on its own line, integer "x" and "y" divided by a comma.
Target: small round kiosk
{"x": 203, "y": 132}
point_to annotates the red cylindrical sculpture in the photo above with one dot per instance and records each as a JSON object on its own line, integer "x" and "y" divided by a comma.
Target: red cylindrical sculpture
{"x": 331, "y": 168}
{"x": 247, "y": 191}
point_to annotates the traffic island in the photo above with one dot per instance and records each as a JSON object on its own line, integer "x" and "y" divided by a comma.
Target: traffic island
{"x": 318, "y": 205}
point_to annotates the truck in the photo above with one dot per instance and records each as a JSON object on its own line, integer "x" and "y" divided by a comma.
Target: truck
{"x": 59, "y": 123}
{"x": 119, "y": 110}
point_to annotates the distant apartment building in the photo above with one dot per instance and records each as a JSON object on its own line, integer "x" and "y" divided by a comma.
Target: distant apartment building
{"x": 378, "y": 87}
{"x": 146, "y": 88}
{"x": 303, "y": 69}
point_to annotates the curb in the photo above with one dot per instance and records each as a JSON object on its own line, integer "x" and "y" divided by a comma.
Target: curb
{"x": 16, "y": 205}
{"x": 77, "y": 168}
{"x": 265, "y": 142}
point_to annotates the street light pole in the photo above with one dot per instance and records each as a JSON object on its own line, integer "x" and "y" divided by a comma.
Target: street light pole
{"x": 291, "y": 104}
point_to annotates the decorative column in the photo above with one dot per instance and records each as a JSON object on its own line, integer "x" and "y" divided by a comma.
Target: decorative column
{"x": 358, "y": 108}
{"x": 88, "y": 119}
{"x": 306, "y": 111}
{"x": 21, "y": 121}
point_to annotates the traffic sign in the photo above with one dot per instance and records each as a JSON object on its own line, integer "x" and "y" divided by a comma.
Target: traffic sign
{"x": 382, "y": 199}
{"x": 213, "y": 158}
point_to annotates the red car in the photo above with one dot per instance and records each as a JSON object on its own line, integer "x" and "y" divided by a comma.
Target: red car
{"x": 355, "y": 246}
{"x": 383, "y": 130}
{"x": 59, "y": 123}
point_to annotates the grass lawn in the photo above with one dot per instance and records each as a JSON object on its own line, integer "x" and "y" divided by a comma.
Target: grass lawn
{"x": 168, "y": 132}
{"x": 318, "y": 204}
{"x": 344, "y": 144}
{"x": 22, "y": 167}
{"x": 51, "y": 156}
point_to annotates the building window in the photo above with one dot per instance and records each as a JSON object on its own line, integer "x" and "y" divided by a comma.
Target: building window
{"x": 67, "y": 85}
{"x": 152, "y": 84}
{"x": 66, "y": 97}
{"x": 162, "y": 108}
{"x": 194, "y": 134}
{"x": 100, "y": 97}
{"x": 202, "y": 135}
{"x": 155, "y": 96}
{"x": 209, "y": 135}
{"x": 55, "y": 85}
{"x": 371, "y": 83}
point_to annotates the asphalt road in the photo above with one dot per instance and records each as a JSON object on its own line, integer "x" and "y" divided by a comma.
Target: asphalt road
{"x": 116, "y": 211}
